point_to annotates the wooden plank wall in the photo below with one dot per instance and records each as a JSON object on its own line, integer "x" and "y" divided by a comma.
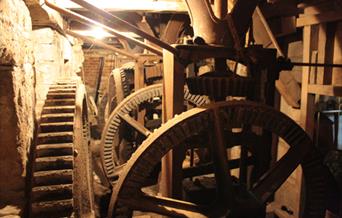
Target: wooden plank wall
{"x": 321, "y": 24}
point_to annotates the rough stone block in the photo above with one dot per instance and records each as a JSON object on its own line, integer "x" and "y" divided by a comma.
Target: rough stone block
{"x": 16, "y": 130}
{"x": 15, "y": 28}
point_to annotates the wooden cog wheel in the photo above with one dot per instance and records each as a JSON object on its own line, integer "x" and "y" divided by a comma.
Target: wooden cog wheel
{"x": 111, "y": 140}
{"x": 118, "y": 89}
{"x": 233, "y": 198}
{"x": 61, "y": 172}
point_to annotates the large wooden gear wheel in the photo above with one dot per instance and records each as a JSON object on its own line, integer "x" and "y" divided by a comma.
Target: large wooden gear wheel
{"x": 62, "y": 173}
{"x": 118, "y": 88}
{"x": 215, "y": 120}
{"x": 110, "y": 140}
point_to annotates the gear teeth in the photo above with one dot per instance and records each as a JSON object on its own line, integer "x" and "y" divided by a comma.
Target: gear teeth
{"x": 177, "y": 130}
{"x": 125, "y": 87}
{"x": 125, "y": 107}
{"x": 220, "y": 87}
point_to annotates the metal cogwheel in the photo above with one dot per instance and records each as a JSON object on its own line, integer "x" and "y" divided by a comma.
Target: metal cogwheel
{"x": 61, "y": 184}
{"x": 214, "y": 120}
{"x": 110, "y": 141}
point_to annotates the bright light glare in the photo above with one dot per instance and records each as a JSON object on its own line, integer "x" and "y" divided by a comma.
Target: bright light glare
{"x": 98, "y": 33}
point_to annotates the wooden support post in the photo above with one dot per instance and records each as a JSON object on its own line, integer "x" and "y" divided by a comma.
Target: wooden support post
{"x": 98, "y": 81}
{"x": 139, "y": 82}
{"x": 307, "y": 99}
{"x": 173, "y": 89}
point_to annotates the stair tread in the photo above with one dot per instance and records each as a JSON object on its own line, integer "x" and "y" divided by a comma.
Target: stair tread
{"x": 51, "y": 188}
{"x": 52, "y": 204}
{"x": 54, "y": 158}
{"x": 54, "y": 134}
{"x": 61, "y": 93}
{"x": 64, "y": 172}
{"x": 60, "y": 107}
{"x": 54, "y": 146}
{"x": 66, "y": 99}
{"x": 57, "y": 124}
{"x": 58, "y": 115}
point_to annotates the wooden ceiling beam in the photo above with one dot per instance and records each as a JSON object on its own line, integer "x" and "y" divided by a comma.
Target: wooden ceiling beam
{"x": 161, "y": 6}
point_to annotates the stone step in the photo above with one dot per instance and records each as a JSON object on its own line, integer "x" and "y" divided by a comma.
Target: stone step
{"x": 55, "y": 137}
{"x": 58, "y": 109}
{"x": 46, "y": 150}
{"x": 61, "y": 208}
{"x": 62, "y": 90}
{"x": 51, "y": 192}
{"x": 53, "y": 163}
{"x": 56, "y": 127}
{"x": 60, "y": 102}
{"x": 52, "y": 118}
{"x": 53, "y": 177}
{"x": 60, "y": 95}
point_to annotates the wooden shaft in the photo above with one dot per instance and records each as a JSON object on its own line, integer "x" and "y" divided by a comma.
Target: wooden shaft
{"x": 117, "y": 21}
{"x": 269, "y": 31}
{"x": 102, "y": 44}
{"x": 90, "y": 22}
{"x": 220, "y": 8}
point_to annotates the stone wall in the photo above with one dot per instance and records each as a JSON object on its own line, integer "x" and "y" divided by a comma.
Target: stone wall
{"x": 56, "y": 57}
{"x": 48, "y": 61}
{"x": 30, "y": 61}
{"x": 16, "y": 101}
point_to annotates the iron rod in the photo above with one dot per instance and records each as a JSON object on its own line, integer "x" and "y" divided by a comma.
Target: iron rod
{"x": 118, "y": 21}
{"x": 316, "y": 64}
{"x": 90, "y": 22}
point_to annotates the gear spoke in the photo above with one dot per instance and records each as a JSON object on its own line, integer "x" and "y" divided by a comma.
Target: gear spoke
{"x": 276, "y": 176}
{"x": 110, "y": 145}
{"x": 164, "y": 206}
{"x": 231, "y": 198}
{"x": 135, "y": 124}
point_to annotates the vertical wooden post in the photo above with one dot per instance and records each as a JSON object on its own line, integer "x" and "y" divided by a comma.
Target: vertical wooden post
{"x": 307, "y": 99}
{"x": 139, "y": 75}
{"x": 173, "y": 95}
{"x": 337, "y": 55}
{"x": 307, "y": 120}
{"x": 322, "y": 42}
{"x": 139, "y": 82}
